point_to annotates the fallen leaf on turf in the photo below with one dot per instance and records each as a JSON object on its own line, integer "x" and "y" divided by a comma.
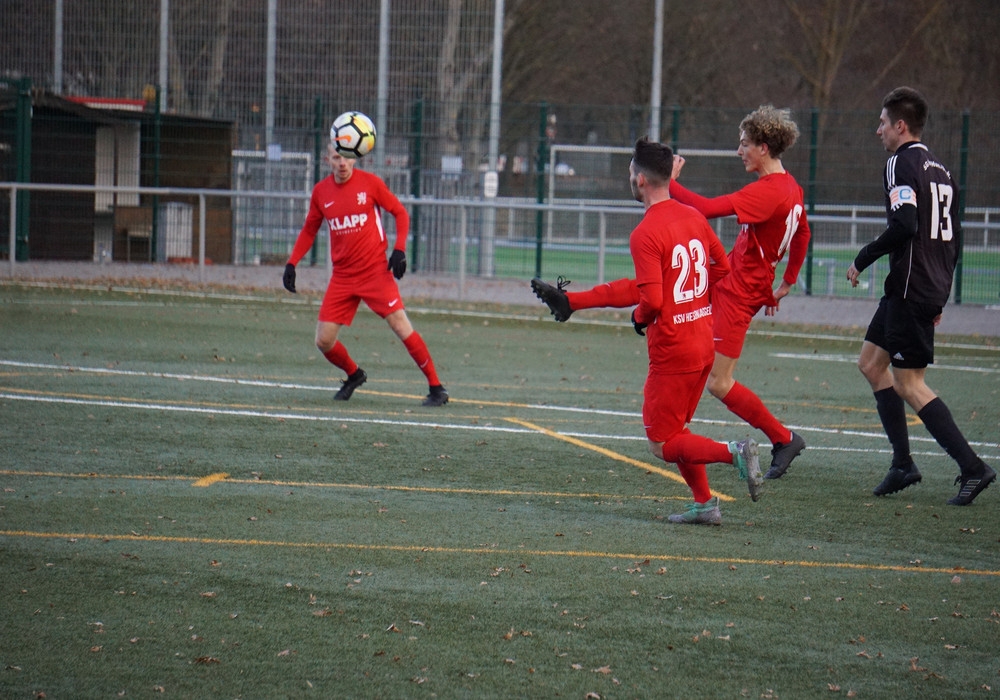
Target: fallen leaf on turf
{"x": 284, "y": 652}
{"x": 833, "y": 687}
{"x": 207, "y": 660}
{"x": 576, "y": 667}
{"x": 913, "y": 664}
{"x": 592, "y": 696}
{"x": 208, "y": 594}
{"x": 603, "y": 669}
{"x": 325, "y": 612}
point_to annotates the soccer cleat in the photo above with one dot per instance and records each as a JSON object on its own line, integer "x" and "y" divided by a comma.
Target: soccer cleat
{"x": 783, "y": 454}
{"x": 972, "y": 485}
{"x": 437, "y": 397}
{"x": 350, "y": 384}
{"x": 898, "y": 479}
{"x": 554, "y": 297}
{"x": 747, "y": 462}
{"x": 706, "y": 513}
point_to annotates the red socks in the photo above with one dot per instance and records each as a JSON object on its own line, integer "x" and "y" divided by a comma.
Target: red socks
{"x": 618, "y": 294}
{"x": 691, "y": 453}
{"x": 748, "y": 406}
{"x": 338, "y": 357}
{"x": 421, "y": 355}
{"x": 697, "y": 479}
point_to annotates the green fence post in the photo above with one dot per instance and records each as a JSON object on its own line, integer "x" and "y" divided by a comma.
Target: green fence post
{"x": 811, "y": 190}
{"x": 675, "y": 128}
{"x": 318, "y": 129}
{"x": 23, "y": 146}
{"x": 963, "y": 175}
{"x": 543, "y": 157}
{"x": 416, "y": 160}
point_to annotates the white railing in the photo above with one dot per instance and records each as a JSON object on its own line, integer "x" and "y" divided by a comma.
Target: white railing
{"x": 583, "y": 238}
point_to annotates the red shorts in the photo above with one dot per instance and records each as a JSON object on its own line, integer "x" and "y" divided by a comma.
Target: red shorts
{"x": 731, "y": 318}
{"x": 669, "y": 402}
{"x": 378, "y": 290}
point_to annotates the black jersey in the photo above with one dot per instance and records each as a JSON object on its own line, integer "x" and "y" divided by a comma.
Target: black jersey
{"x": 922, "y": 227}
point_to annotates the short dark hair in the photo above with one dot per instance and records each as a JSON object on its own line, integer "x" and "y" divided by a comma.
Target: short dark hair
{"x": 909, "y": 105}
{"x": 655, "y": 160}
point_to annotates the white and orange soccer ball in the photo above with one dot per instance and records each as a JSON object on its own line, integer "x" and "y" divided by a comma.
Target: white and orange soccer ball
{"x": 353, "y": 134}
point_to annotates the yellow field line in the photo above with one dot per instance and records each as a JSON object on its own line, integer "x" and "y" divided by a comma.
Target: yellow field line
{"x": 210, "y": 479}
{"x": 653, "y": 558}
{"x": 222, "y": 478}
{"x": 611, "y": 454}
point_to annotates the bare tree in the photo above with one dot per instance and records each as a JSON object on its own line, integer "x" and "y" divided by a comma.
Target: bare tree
{"x": 196, "y": 74}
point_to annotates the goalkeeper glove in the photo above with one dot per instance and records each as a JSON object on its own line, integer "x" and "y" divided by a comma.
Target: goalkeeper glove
{"x": 397, "y": 263}
{"x": 640, "y": 328}
{"x": 288, "y": 279}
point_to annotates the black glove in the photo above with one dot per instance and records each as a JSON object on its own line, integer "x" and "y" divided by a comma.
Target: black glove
{"x": 640, "y": 328}
{"x": 397, "y": 263}
{"x": 288, "y": 279}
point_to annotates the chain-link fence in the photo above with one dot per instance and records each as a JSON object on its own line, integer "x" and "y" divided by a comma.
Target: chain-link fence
{"x": 250, "y": 91}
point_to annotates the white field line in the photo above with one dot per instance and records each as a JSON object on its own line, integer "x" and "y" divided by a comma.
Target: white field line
{"x": 302, "y": 301}
{"x": 853, "y": 359}
{"x": 394, "y": 422}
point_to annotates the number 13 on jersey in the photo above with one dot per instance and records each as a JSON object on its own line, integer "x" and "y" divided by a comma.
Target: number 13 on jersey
{"x": 942, "y": 196}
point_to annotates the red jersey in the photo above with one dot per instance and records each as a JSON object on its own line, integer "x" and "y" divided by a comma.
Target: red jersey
{"x": 771, "y": 213}
{"x": 352, "y": 211}
{"x": 676, "y": 255}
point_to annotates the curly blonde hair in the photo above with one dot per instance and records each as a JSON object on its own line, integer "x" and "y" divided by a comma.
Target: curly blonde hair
{"x": 770, "y": 125}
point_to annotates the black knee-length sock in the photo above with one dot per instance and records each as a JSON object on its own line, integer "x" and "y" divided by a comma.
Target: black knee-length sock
{"x": 937, "y": 418}
{"x": 892, "y": 412}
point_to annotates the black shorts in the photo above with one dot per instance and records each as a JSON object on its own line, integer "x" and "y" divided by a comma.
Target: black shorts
{"x": 905, "y": 330}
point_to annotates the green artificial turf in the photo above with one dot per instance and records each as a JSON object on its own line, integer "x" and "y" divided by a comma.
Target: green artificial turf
{"x": 511, "y": 544}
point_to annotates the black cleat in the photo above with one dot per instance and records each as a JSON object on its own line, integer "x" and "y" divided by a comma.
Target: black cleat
{"x": 783, "y": 454}
{"x": 437, "y": 397}
{"x": 554, "y": 297}
{"x": 350, "y": 384}
{"x": 972, "y": 485}
{"x": 898, "y": 479}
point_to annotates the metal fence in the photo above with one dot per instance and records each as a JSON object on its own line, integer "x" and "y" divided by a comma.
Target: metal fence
{"x": 259, "y": 82}
{"x": 508, "y": 237}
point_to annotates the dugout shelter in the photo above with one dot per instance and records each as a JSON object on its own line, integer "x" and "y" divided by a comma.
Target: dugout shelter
{"x": 120, "y": 143}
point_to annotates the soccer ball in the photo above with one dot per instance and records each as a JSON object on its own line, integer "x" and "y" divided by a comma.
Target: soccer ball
{"x": 353, "y": 134}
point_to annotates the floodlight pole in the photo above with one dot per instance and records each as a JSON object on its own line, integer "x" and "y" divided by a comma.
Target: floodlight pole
{"x": 164, "y": 53}
{"x": 657, "y": 85}
{"x": 382, "y": 89}
{"x": 57, "y": 50}
{"x": 487, "y": 265}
